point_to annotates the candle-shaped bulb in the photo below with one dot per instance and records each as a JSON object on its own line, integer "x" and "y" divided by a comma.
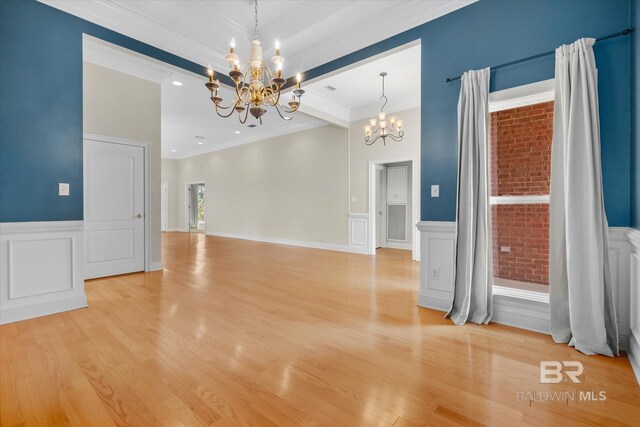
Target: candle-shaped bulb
{"x": 367, "y": 129}
{"x": 373, "y": 122}
{"x": 236, "y": 64}
{"x": 392, "y": 120}
{"x": 383, "y": 124}
{"x": 382, "y": 115}
{"x": 298, "y": 78}
{"x": 399, "y": 124}
{"x": 232, "y": 45}
{"x": 278, "y": 47}
{"x": 210, "y": 70}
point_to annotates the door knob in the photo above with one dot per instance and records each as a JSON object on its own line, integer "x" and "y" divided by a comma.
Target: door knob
{"x": 139, "y": 216}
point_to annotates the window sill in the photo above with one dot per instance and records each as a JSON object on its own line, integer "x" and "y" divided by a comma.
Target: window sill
{"x": 522, "y": 294}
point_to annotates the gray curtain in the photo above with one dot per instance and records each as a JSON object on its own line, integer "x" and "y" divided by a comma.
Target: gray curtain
{"x": 582, "y": 311}
{"x": 473, "y": 298}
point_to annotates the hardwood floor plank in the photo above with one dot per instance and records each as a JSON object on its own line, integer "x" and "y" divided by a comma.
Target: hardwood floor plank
{"x": 236, "y": 332}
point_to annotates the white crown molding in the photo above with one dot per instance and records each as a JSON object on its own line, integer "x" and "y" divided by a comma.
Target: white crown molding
{"x": 263, "y": 136}
{"x": 100, "y": 53}
{"x": 320, "y": 106}
{"x": 323, "y": 38}
{"x": 124, "y": 21}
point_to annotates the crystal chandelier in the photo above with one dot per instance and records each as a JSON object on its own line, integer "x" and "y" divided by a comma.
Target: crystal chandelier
{"x": 385, "y": 129}
{"x": 256, "y": 86}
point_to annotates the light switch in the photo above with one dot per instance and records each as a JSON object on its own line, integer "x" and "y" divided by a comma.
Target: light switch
{"x": 435, "y": 191}
{"x": 354, "y": 199}
{"x": 63, "y": 189}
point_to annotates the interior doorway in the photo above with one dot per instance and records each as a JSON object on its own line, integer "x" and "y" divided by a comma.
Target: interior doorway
{"x": 393, "y": 205}
{"x": 196, "y": 197}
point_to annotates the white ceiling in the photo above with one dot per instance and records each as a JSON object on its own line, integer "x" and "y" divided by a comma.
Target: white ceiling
{"x": 358, "y": 89}
{"x": 312, "y": 32}
{"x": 187, "y": 111}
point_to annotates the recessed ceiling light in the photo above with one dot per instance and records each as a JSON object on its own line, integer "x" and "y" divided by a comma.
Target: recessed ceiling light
{"x": 174, "y": 151}
{"x": 176, "y": 83}
{"x": 200, "y": 139}
{"x": 237, "y": 131}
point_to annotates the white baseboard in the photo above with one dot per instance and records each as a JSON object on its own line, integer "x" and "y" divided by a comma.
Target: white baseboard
{"x": 173, "y": 230}
{"x": 41, "y": 269}
{"x": 399, "y": 245}
{"x": 46, "y": 309}
{"x": 156, "y": 266}
{"x": 299, "y": 243}
{"x": 633, "y": 352}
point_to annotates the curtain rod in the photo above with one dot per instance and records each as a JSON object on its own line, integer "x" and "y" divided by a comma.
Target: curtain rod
{"x": 528, "y": 58}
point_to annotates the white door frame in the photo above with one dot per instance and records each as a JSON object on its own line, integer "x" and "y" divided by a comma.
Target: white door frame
{"x": 147, "y": 209}
{"x": 415, "y": 200}
{"x": 164, "y": 185}
{"x": 186, "y": 205}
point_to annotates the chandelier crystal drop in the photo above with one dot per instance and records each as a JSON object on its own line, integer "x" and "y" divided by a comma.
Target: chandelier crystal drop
{"x": 381, "y": 127}
{"x": 256, "y": 85}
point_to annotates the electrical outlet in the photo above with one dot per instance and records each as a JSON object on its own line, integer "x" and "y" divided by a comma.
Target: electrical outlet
{"x": 435, "y": 274}
{"x": 505, "y": 249}
{"x": 435, "y": 191}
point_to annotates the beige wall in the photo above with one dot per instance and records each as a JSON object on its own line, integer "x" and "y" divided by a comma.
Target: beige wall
{"x": 170, "y": 176}
{"x": 360, "y": 155}
{"x": 120, "y": 105}
{"x": 289, "y": 187}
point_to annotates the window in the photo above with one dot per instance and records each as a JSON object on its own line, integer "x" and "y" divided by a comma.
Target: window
{"x": 521, "y": 131}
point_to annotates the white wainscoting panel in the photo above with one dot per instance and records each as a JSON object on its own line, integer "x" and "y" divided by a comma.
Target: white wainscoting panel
{"x": 437, "y": 282}
{"x": 359, "y": 232}
{"x": 437, "y": 257}
{"x": 41, "y": 267}
{"x": 633, "y": 349}
{"x": 620, "y": 269}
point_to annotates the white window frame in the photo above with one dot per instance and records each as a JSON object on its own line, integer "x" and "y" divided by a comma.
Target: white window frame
{"x": 521, "y": 96}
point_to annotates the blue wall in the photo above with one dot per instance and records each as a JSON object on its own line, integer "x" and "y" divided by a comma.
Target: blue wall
{"x": 492, "y": 32}
{"x": 41, "y": 107}
{"x": 635, "y": 115}
{"x": 41, "y": 93}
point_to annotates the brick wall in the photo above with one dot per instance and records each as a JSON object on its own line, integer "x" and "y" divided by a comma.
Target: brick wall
{"x": 521, "y": 158}
{"x": 520, "y": 165}
{"x": 524, "y": 229}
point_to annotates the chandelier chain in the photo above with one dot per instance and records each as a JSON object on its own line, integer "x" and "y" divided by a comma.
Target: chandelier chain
{"x": 255, "y": 21}
{"x": 383, "y": 97}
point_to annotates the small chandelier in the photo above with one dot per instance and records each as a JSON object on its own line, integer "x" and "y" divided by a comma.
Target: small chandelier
{"x": 263, "y": 86}
{"x": 386, "y": 129}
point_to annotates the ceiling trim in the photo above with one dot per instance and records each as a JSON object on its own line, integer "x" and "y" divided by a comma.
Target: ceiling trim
{"x": 263, "y": 136}
{"x": 98, "y": 52}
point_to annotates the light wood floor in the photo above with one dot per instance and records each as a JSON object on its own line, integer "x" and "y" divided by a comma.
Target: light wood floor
{"x": 236, "y": 333}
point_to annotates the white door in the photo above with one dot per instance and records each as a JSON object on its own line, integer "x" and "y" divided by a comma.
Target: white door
{"x": 113, "y": 208}
{"x": 164, "y": 206}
